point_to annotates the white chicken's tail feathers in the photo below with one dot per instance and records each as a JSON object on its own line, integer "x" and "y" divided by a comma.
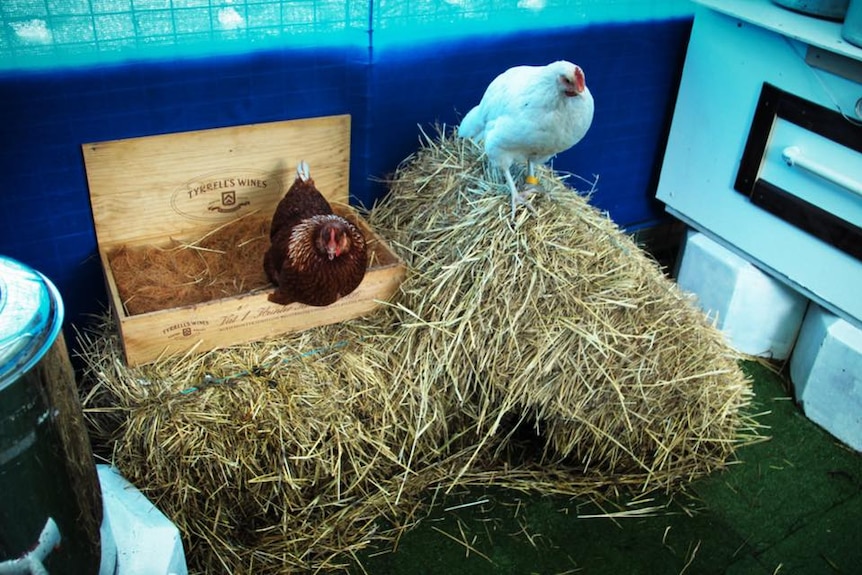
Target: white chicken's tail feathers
{"x": 472, "y": 126}
{"x": 303, "y": 172}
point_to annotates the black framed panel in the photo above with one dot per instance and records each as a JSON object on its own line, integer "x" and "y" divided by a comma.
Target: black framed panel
{"x": 776, "y": 103}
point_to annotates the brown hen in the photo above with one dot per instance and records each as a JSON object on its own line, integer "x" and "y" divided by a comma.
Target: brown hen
{"x": 316, "y": 256}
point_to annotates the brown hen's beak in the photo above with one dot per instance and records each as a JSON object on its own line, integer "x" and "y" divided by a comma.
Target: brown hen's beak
{"x": 332, "y": 246}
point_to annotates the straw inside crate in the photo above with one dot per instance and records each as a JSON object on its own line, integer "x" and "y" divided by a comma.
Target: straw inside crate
{"x": 227, "y": 261}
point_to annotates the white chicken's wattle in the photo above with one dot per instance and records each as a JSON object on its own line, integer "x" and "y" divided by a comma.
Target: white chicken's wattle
{"x": 529, "y": 114}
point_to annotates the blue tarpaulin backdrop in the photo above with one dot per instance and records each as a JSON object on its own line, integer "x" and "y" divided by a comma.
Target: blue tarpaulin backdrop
{"x": 159, "y": 66}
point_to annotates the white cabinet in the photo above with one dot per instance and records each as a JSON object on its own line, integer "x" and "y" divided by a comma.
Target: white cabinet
{"x": 722, "y": 142}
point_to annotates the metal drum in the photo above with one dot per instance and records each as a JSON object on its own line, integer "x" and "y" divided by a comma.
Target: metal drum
{"x": 50, "y": 499}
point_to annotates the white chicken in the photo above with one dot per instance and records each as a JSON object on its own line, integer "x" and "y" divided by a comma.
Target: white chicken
{"x": 529, "y": 114}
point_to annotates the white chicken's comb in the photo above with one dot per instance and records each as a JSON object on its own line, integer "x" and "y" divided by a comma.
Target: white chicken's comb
{"x": 302, "y": 171}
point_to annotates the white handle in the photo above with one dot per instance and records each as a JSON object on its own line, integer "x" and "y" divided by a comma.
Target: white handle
{"x": 794, "y": 157}
{"x": 31, "y": 563}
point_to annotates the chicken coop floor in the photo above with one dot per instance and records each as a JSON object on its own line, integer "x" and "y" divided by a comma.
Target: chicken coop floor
{"x": 791, "y": 506}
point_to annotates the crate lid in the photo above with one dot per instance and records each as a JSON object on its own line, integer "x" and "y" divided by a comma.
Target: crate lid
{"x": 150, "y": 189}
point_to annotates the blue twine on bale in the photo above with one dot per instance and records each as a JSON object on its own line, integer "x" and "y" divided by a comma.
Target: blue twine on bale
{"x": 209, "y": 380}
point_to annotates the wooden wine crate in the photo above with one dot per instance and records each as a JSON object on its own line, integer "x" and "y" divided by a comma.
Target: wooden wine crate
{"x": 150, "y": 190}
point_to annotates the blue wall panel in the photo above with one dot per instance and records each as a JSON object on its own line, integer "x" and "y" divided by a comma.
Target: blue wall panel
{"x": 632, "y": 70}
{"x": 46, "y": 220}
{"x": 633, "y": 73}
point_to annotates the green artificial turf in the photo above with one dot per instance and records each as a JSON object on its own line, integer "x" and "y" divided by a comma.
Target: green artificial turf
{"x": 790, "y": 505}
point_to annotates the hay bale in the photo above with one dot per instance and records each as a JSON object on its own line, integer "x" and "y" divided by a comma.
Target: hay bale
{"x": 290, "y": 455}
{"x": 276, "y": 457}
{"x": 557, "y": 320}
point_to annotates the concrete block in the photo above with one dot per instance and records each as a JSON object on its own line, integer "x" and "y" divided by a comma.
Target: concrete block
{"x": 147, "y": 542}
{"x": 826, "y": 371}
{"x": 758, "y": 314}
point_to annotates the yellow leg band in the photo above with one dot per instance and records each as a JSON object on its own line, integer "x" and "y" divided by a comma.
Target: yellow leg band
{"x": 532, "y": 180}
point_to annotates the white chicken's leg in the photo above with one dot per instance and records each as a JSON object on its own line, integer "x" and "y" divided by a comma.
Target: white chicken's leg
{"x": 531, "y": 179}
{"x": 517, "y": 197}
